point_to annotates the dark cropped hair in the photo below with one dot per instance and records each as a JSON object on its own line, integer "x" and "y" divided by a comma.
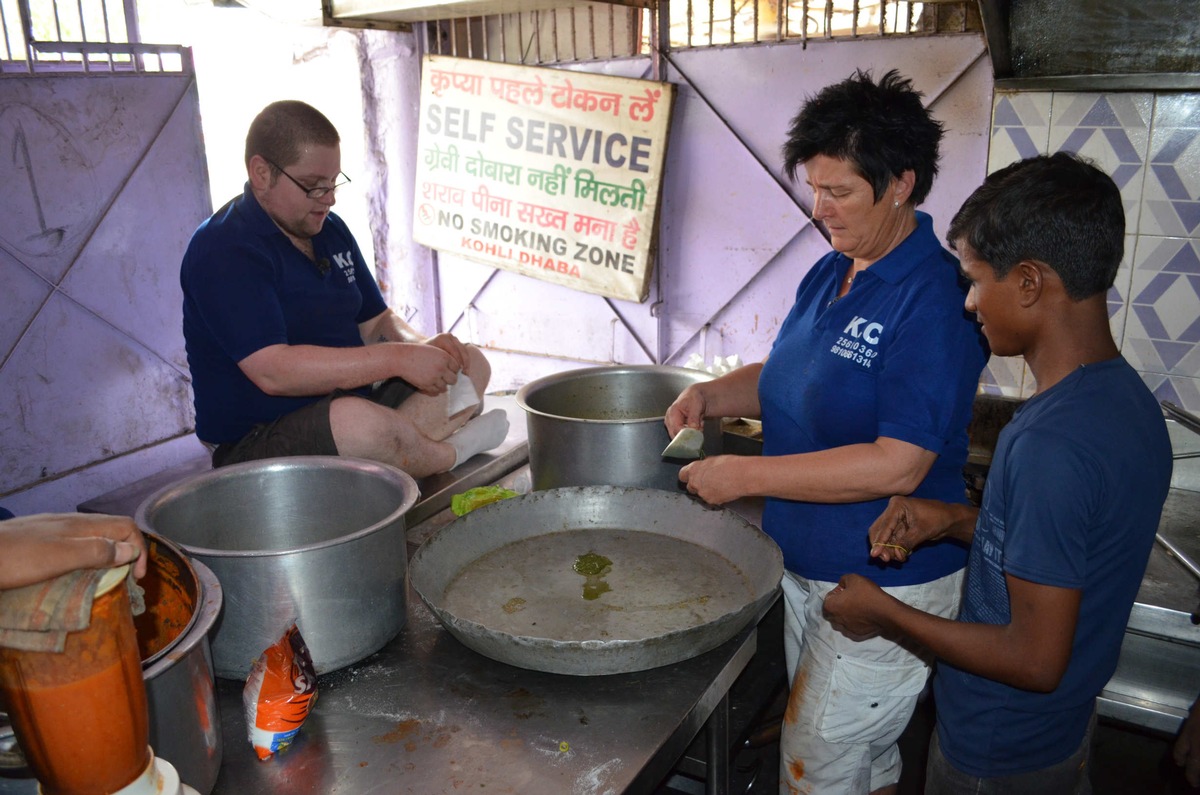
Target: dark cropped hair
{"x": 882, "y": 129}
{"x": 283, "y": 129}
{"x": 1056, "y": 209}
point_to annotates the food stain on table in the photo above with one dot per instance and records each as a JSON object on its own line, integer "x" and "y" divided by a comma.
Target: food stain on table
{"x": 593, "y": 566}
{"x": 525, "y": 704}
{"x": 408, "y": 732}
{"x": 403, "y": 730}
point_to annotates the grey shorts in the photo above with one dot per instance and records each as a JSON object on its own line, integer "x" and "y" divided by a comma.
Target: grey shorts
{"x": 305, "y": 431}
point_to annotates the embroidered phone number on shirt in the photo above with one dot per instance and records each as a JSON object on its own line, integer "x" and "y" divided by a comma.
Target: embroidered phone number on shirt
{"x": 854, "y": 350}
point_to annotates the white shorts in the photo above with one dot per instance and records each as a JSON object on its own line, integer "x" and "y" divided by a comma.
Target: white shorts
{"x": 850, "y": 700}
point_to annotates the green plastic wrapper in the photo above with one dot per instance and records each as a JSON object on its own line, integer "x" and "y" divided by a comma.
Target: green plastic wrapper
{"x": 471, "y": 499}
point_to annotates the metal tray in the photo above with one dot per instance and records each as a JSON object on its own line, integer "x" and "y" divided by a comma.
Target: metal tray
{"x": 503, "y": 579}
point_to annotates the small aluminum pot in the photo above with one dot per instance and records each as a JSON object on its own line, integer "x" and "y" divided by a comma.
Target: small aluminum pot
{"x": 315, "y": 540}
{"x": 603, "y": 426}
{"x": 185, "y": 727}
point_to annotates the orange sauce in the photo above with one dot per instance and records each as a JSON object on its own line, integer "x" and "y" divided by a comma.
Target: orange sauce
{"x": 169, "y": 606}
{"x": 80, "y": 716}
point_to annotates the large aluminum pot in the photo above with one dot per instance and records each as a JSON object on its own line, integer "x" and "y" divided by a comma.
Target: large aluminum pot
{"x": 603, "y": 426}
{"x": 319, "y": 540}
{"x": 183, "y": 600}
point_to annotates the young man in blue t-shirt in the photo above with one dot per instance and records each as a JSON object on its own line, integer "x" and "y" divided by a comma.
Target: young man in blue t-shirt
{"x": 1070, "y": 509}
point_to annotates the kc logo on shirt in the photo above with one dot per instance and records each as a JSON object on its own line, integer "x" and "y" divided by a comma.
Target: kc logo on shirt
{"x": 857, "y": 341}
{"x": 861, "y": 329}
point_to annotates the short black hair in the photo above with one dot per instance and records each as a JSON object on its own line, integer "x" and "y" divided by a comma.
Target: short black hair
{"x": 881, "y": 128}
{"x": 1057, "y": 209}
{"x": 281, "y": 131}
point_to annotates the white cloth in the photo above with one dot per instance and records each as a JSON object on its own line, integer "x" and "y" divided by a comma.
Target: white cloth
{"x": 461, "y": 395}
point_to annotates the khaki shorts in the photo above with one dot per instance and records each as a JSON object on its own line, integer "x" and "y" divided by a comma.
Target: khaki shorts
{"x": 305, "y": 431}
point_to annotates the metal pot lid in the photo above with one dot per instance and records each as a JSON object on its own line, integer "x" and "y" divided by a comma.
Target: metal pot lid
{"x": 596, "y": 580}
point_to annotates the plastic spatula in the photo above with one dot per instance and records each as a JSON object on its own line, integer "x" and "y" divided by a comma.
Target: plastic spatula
{"x": 688, "y": 443}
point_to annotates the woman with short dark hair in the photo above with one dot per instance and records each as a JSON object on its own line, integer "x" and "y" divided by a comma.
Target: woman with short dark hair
{"x": 866, "y": 394}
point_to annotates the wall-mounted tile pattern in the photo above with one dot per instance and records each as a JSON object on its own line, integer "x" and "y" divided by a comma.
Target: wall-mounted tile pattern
{"x": 1113, "y": 130}
{"x": 1150, "y": 144}
{"x": 1171, "y": 201}
{"x": 1003, "y": 375}
{"x": 1020, "y": 128}
{"x": 1164, "y": 307}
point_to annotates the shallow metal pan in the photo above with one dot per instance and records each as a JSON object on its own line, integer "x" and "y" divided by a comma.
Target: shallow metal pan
{"x": 683, "y": 580}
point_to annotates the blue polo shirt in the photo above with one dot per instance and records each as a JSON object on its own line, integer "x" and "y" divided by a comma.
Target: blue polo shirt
{"x": 897, "y": 356}
{"x": 246, "y": 286}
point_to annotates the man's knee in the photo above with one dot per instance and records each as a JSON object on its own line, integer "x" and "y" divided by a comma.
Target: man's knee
{"x": 480, "y": 368}
{"x": 361, "y": 426}
{"x": 353, "y": 420}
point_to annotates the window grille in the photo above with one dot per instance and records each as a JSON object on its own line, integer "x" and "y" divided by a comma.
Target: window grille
{"x": 88, "y": 36}
{"x": 600, "y": 31}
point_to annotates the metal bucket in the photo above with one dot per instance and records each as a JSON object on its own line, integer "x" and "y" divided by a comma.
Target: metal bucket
{"x": 185, "y": 728}
{"x": 318, "y": 540}
{"x": 603, "y": 426}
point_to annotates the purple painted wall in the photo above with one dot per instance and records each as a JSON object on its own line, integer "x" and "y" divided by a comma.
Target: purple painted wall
{"x": 734, "y": 242}
{"x": 734, "y": 236}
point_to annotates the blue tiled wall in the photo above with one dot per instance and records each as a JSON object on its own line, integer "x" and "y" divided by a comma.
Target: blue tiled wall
{"x": 1150, "y": 144}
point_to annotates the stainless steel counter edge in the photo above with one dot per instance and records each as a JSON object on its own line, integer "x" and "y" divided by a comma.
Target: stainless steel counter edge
{"x": 1150, "y": 715}
{"x": 1164, "y": 622}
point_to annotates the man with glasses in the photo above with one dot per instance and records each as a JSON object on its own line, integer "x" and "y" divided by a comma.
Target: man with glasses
{"x": 291, "y": 346}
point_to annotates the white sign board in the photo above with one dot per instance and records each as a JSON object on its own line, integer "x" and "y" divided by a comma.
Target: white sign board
{"x": 549, "y": 173}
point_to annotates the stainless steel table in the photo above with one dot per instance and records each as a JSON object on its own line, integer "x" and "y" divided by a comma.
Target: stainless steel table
{"x": 427, "y": 715}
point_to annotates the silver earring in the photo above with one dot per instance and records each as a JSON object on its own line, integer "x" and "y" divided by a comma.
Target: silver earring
{"x": 896, "y": 204}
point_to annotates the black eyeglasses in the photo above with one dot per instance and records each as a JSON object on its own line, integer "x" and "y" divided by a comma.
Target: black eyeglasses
{"x": 312, "y": 193}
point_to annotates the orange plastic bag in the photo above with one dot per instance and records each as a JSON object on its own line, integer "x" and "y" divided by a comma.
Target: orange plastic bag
{"x": 280, "y": 692}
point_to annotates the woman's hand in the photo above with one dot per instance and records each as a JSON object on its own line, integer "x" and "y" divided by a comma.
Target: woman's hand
{"x": 43, "y": 546}
{"x": 715, "y": 480}
{"x": 687, "y": 411}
